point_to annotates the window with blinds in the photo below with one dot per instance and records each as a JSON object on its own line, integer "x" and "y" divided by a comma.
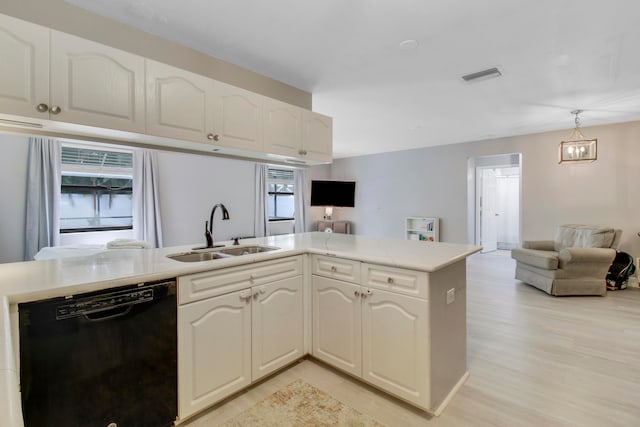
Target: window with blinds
{"x": 281, "y": 206}
{"x": 96, "y": 189}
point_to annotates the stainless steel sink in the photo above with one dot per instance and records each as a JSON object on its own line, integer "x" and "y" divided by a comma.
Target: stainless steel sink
{"x": 208, "y": 255}
{"x": 197, "y": 256}
{"x": 247, "y": 250}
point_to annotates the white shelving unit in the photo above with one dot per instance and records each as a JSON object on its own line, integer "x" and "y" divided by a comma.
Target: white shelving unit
{"x": 422, "y": 228}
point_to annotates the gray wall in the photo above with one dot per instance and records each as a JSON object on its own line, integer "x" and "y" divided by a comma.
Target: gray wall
{"x": 62, "y": 16}
{"x": 433, "y": 182}
{"x": 13, "y": 179}
{"x": 190, "y": 184}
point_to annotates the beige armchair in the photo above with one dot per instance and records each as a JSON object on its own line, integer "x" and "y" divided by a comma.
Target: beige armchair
{"x": 574, "y": 263}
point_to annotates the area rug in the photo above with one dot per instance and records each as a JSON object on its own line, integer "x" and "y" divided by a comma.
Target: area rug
{"x": 301, "y": 404}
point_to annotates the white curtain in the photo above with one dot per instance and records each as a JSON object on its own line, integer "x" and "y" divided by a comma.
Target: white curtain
{"x": 147, "y": 224}
{"x": 300, "y": 182}
{"x": 43, "y": 196}
{"x": 262, "y": 193}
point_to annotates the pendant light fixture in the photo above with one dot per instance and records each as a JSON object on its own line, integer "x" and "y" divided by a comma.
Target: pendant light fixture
{"x": 578, "y": 148}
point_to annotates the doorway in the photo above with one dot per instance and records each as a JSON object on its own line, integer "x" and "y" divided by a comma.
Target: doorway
{"x": 496, "y": 201}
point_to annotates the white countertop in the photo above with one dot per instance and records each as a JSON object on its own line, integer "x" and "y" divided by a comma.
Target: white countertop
{"x": 35, "y": 280}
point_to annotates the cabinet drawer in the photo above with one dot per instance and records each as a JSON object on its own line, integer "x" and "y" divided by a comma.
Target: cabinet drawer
{"x": 336, "y": 268}
{"x": 398, "y": 280}
{"x": 199, "y": 286}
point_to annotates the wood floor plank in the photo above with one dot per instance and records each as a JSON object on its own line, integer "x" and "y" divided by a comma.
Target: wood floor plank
{"x": 534, "y": 360}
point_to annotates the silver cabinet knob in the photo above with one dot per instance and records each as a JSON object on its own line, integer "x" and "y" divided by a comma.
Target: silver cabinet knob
{"x": 43, "y": 108}
{"x": 55, "y": 109}
{"x": 356, "y": 293}
{"x": 333, "y": 269}
{"x": 390, "y": 280}
{"x": 302, "y": 152}
{"x": 212, "y": 137}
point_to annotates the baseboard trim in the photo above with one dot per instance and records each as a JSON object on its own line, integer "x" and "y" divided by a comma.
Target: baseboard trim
{"x": 452, "y": 393}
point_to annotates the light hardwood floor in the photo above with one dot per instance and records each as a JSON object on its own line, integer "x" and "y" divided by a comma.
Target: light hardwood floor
{"x": 533, "y": 359}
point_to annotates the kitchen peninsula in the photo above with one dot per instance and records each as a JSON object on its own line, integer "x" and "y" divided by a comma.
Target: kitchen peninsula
{"x": 395, "y": 300}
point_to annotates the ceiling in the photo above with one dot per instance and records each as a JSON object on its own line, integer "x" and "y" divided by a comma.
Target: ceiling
{"x": 555, "y": 56}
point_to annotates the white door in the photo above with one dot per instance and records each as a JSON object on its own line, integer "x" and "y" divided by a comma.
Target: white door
{"x": 282, "y": 128}
{"x": 238, "y": 118}
{"x": 178, "y": 103}
{"x": 336, "y": 323}
{"x": 317, "y": 137}
{"x": 96, "y": 85}
{"x": 488, "y": 214}
{"x": 24, "y": 73}
{"x": 214, "y": 350}
{"x": 395, "y": 344}
{"x": 277, "y": 325}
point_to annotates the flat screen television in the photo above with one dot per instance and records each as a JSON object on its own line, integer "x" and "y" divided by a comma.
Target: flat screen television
{"x": 333, "y": 193}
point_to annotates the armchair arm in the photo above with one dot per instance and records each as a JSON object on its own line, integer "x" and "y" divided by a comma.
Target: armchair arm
{"x": 586, "y": 259}
{"x": 541, "y": 245}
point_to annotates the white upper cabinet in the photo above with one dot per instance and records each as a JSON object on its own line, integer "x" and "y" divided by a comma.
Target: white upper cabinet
{"x": 294, "y": 132}
{"x": 317, "y": 137}
{"x": 237, "y": 118}
{"x": 282, "y": 128}
{"x": 50, "y": 75}
{"x": 24, "y": 73}
{"x": 179, "y": 103}
{"x": 96, "y": 85}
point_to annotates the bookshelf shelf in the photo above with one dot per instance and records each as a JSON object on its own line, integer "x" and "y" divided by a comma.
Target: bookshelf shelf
{"x": 422, "y": 228}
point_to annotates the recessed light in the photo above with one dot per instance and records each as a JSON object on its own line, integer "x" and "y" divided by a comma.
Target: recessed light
{"x": 408, "y": 44}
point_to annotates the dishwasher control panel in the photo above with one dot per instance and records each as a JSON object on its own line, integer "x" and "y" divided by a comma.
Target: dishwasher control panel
{"x": 102, "y": 302}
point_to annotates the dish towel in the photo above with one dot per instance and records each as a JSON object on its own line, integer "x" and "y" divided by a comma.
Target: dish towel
{"x": 128, "y": 244}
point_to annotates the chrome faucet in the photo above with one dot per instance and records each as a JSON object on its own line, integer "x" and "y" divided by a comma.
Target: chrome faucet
{"x": 208, "y": 225}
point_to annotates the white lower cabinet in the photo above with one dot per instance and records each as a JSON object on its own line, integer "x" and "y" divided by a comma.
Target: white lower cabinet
{"x": 395, "y": 345}
{"x": 225, "y": 342}
{"x": 379, "y": 336}
{"x": 277, "y": 326}
{"x": 214, "y": 348}
{"x": 336, "y": 324}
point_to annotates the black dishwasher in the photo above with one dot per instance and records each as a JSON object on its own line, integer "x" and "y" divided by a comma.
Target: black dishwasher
{"x": 99, "y": 359}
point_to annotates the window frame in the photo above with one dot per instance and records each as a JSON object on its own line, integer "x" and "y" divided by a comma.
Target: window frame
{"x": 69, "y": 169}
{"x": 276, "y": 181}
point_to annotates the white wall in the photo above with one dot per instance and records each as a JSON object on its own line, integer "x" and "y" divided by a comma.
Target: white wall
{"x": 433, "y": 182}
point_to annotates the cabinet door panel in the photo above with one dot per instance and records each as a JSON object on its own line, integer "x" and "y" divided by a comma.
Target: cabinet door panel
{"x": 277, "y": 325}
{"x": 214, "y": 345}
{"x": 282, "y": 128}
{"x": 177, "y": 103}
{"x": 395, "y": 340}
{"x": 238, "y": 118}
{"x": 96, "y": 85}
{"x": 336, "y": 324}
{"x": 317, "y": 137}
{"x": 24, "y": 74}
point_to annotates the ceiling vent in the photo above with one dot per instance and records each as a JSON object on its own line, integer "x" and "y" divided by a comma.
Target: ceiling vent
{"x": 482, "y": 75}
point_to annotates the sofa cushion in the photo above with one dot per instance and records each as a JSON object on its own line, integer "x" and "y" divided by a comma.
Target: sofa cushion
{"x": 547, "y": 260}
{"x": 583, "y": 236}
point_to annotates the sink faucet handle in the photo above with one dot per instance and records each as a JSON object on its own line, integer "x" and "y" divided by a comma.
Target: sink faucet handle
{"x": 236, "y": 241}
